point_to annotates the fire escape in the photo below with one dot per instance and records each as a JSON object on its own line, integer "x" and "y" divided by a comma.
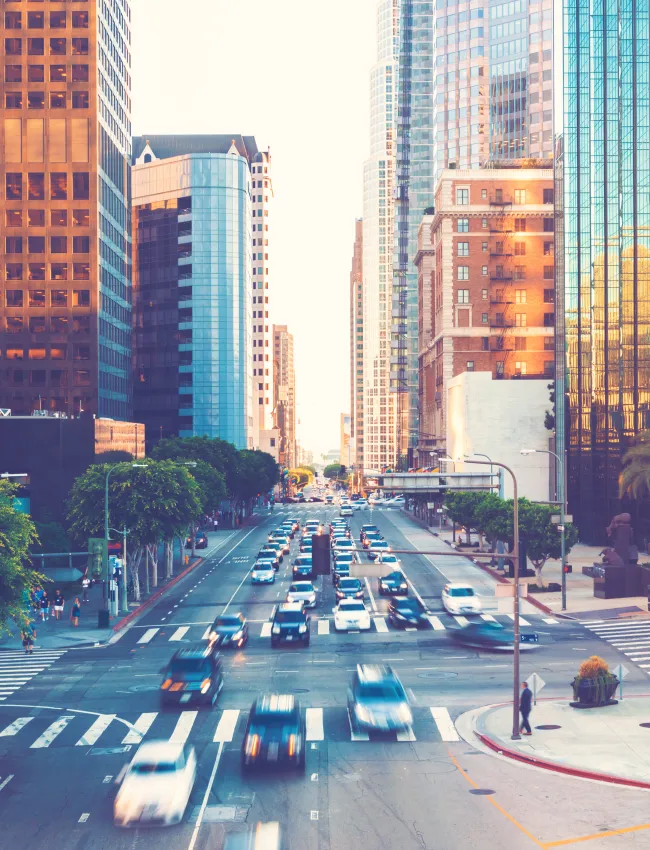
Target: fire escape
{"x": 501, "y": 278}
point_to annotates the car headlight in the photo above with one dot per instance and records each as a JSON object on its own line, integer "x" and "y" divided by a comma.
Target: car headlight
{"x": 302, "y": 627}
{"x": 213, "y": 635}
{"x": 205, "y": 686}
{"x": 403, "y": 587}
{"x": 362, "y": 713}
{"x": 237, "y": 635}
{"x": 276, "y": 630}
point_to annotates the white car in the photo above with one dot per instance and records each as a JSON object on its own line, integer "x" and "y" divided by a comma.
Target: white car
{"x": 397, "y": 502}
{"x": 263, "y": 573}
{"x": 460, "y": 599}
{"x": 346, "y": 510}
{"x": 302, "y": 591}
{"x": 351, "y": 614}
{"x": 156, "y": 786}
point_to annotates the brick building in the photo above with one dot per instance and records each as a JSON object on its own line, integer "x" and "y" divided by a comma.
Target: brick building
{"x": 485, "y": 280}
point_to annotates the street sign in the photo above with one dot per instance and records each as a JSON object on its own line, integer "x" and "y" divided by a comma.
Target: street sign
{"x": 536, "y": 683}
{"x": 556, "y": 518}
{"x": 560, "y": 528}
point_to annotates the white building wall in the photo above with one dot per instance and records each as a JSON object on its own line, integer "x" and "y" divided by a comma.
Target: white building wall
{"x": 499, "y": 418}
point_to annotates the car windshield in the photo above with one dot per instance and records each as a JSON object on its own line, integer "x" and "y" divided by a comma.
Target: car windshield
{"x": 180, "y": 666}
{"x": 154, "y": 767}
{"x": 289, "y": 617}
{"x": 301, "y": 587}
{"x": 389, "y": 559}
{"x": 350, "y": 583}
{"x": 344, "y": 558}
{"x": 377, "y": 690}
{"x": 353, "y": 606}
{"x": 266, "y": 566}
{"x": 379, "y": 544}
{"x": 344, "y": 542}
{"x": 461, "y": 591}
{"x": 228, "y": 622}
{"x": 409, "y": 605}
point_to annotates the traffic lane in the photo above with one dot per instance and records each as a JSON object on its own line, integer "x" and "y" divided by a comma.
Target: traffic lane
{"x": 409, "y": 796}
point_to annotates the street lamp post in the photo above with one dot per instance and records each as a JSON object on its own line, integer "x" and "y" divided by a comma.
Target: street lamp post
{"x": 515, "y": 558}
{"x": 559, "y": 495}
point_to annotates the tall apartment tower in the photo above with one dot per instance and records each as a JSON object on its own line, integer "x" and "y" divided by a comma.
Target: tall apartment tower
{"x": 606, "y": 175}
{"x": 193, "y": 290}
{"x": 356, "y": 347}
{"x": 379, "y": 430}
{"x": 475, "y": 88}
{"x": 284, "y": 384}
{"x": 65, "y": 136}
{"x": 265, "y": 437}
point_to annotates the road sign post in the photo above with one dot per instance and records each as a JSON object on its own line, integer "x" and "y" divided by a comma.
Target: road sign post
{"x": 620, "y": 671}
{"x": 536, "y": 684}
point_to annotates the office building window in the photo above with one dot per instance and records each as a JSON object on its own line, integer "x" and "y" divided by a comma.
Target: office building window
{"x": 462, "y": 197}
{"x": 462, "y": 225}
{"x": 57, "y": 100}
{"x": 520, "y": 249}
{"x": 13, "y": 46}
{"x": 549, "y": 196}
{"x": 484, "y": 318}
{"x": 36, "y": 73}
{"x": 79, "y": 46}
{"x": 520, "y": 343}
{"x": 80, "y": 100}
{"x": 520, "y": 320}
{"x": 36, "y": 244}
{"x": 470, "y": 365}
{"x": 58, "y": 46}
{"x": 463, "y": 249}
{"x": 58, "y": 244}
{"x": 36, "y": 100}
{"x": 37, "y": 298}
{"x": 520, "y": 367}
{"x": 80, "y": 74}
{"x": 59, "y": 271}
{"x": 58, "y": 186}
{"x": 520, "y": 296}
{"x": 13, "y": 100}
{"x": 484, "y": 294}
{"x": 14, "y": 297}
{"x": 520, "y": 225}
{"x": 549, "y": 343}
{"x": 548, "y": 249}
{"x": 59, "y": 218}
{"x": 80, "y": 244}
{"x": 14, "y": 244}
{"x": 549, "y": 296}
{"x": 80, "y": 186}
{"x": 13, "y": 186}
{"x": 520, "y": 196}
{"x": 549, "y": 320}
{"x": 36, "y": 20}
{"x": 548, "y": 225}
{"x": 549, "y": 272}
{"x": 462, "y": 296}
{"x": 484, "y": 271}
{"x": 80, "y": 218}
{"x": 57, "y": 20}
{"x": 36, "y": 46}
{"x": 13, "y": 73}
{"x": 58, "y": 74}
{"x": 463, "y": 273}
{"x": 14, "y": 218}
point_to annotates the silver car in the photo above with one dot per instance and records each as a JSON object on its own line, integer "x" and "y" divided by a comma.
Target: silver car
{"x": 377, "y": 700}
{"x": 302, "y": 591}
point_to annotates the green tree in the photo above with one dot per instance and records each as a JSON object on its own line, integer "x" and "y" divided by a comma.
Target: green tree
{"x": 220, "y": 454}
{"x": 17, "y": 579}
{"x": 155, "y": 502}
{"x": 634, "y": 479}
{"x": 543, "y": 540}
{"x": 332, "y": 470}
{"x": 302, "y": 474}
{"x": 257, "y": 473}
{"x": 494, "y": 518}
{"x": 462, "y": 507}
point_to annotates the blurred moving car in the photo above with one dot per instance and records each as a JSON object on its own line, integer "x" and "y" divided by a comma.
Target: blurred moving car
{"x": 155, "y": 788}
{"x": 404, "y": 612}
{"x": 302, "y": 591}
{"x": 200, "y": 541}
{"x": 393, "y": 583}
{"x": 351, "y": 614}
{"x": 275, "y": 733}
{"x": 290, "y": 623}
{"x": 460, "y": 599}
{"x": 193, "y": 674}
{"x": 492, "y": 636}
{"x": 230, "y": 629}
{"x": 377, "y": 700}
{"x": 263, "y": 572}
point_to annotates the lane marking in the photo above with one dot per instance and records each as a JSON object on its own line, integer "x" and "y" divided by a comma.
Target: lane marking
{"x": 140, "y": 728}
{"x": 180, "y": 633}
{"x": 606, "y": 834}
{"x": 522, "y": 620}
{"x": 225, "y": 731}
{"x": 52, "y": 731}
{"x": 237, "y": 589}
{"x": 444, "y": 723}
{"x": 266, "y": 630}
{"x": 148, "y": 635}
{"x": 436, "y": 622}
{"x": 406, "y": 735}
{"x": 84, "y": 817}
{"x": 15, "y": 727}
{"x": 314, "y": 724}
{"x": 183, "y": 727}
{"x": 99, "y": 726}
{"x": 489, "y": 618}
{"x": 380, "y": 624}
{"x": 206, "y": 633}
{"x": 323, "y": 627}
{"x": 6, "y": 781}
{"x": 372, "y": 598}
{"x": 550, "y": 621}
{"x": 462, "y": 621}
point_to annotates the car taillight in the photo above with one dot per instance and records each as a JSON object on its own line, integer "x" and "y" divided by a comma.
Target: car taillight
{"x": 166, "y": 684}
{"x": 205, "y": 686}
{"x": 253, "y": 745}
{"x": 293, "y": 742}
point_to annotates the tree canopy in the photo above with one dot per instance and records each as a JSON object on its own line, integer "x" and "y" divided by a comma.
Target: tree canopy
{"x": 332, "y": 470}
{"x": 302, "y": 474}
{"x": 17, "y": 579}
{"x": 634, "y": 479}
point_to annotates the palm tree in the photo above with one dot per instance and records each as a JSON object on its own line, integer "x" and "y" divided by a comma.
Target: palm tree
{"x": 634, "y": 479}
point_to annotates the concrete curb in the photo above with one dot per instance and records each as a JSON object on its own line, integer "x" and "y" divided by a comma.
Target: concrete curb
{"x": 544, "y": 764}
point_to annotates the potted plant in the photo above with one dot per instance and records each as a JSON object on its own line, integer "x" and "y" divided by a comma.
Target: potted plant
{"x": 594, "y": 685}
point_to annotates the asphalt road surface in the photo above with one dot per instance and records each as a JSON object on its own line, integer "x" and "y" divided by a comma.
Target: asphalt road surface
{"x": 79, "y": 716}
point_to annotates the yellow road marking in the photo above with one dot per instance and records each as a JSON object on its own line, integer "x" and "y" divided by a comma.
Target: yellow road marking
{"x": 497, "y": 806}
{"x": 566, "y": 841}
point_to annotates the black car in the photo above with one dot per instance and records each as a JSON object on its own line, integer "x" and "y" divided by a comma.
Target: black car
{"x": 290, "y": 623}
{"x": 275, "y": 733}
{"x": 404, "y": 612}
{"x": 303, "y": 566}
{"x": 200, "y": 541}
{"x": 349, "y": 588}
{"x": 492, "y": 636}
{"x": 341, "y": 570}
{"x": 267, "y": 554}
{"x": 393, "y": 583}
{"x": 229, "y": 630}
{"x": 194, "y": 675}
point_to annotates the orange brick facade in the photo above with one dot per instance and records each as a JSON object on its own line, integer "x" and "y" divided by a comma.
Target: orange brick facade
{"x": 486, "y": 284}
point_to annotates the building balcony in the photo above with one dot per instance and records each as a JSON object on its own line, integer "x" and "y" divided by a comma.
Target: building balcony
{"x": 501, "y": 323}
{"x": 504, "y": 277}
{"x": 500, "y": 301}
{"x": 500, "y": 202}
{"x": 500, "y": 254}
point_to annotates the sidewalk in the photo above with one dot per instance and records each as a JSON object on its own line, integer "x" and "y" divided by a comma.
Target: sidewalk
{"x": 607, "y": 744}
{"x": 581, "y": 602}
{"x": 57, "y": 634}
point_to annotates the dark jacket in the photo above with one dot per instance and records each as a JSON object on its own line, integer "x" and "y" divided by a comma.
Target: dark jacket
{"x": 526, "y": 701}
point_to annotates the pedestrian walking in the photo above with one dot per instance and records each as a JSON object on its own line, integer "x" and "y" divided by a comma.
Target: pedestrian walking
{"x": 45, "y": 606}
{"x": 525, "y": 706}
{"x": 85, "y": 586}
{"x": 74, "y": 613}
{"x": 28, "y": 635}
{"x": 59, "y": 602}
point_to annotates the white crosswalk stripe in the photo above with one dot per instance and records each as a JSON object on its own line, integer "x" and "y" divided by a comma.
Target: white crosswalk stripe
{"x": 92, "y": 735}
{"x": 183, "y": 727}
{"x": 462, "y": 621}
{"x": 140, "y": 728}
{"x": 323, "y": 627}
{"x": 17, "y": 668}
{"x": 380, "y": 624}
{"x": 444, "y": 723}
{"x": 52, "y": 731}
{"x": 225, "y": 730}
{"x": 148, "y": 635}
{"x": 206, "y": 633}
{"x": 15, "y": 727}
{"x": 180, "y": 633}
{"x": 314, "y": 724}
{"x": 631, "y": 637}
{"x": 549, "y": 621}
{"x": 266, "y": 630}
{"x": 436, "y": 623}
{"x": 522, "y": 620}
{"x": 488, "y": 618}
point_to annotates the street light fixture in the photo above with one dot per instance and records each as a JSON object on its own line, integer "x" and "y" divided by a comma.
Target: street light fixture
{"x": 559, "y": 495}
{"x": 515, "y": 559}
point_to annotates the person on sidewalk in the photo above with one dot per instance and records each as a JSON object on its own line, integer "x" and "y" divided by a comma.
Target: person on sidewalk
{"x": 45, "y": 606}
{"x": 74, "y": 614}
{"x": 85, "y": 585}
{"x": 525, "y": 707}
{"x": 58, "y": 604}
{"x": 28, "y": 635}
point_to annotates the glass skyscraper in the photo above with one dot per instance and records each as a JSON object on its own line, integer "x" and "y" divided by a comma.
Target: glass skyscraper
{"x": 193, "y": 286}
{"x": 606, "y": 167}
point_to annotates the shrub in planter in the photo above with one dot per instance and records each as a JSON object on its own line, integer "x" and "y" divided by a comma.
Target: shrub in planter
{"x": 594, "y": 685}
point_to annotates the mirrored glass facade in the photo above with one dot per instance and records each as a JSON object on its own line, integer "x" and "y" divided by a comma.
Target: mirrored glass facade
{"x": 193, "y": 296}
{"x": 607, "y": 248}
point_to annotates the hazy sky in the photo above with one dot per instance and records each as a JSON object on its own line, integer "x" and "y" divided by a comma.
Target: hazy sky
{"x": 295, "y": 75}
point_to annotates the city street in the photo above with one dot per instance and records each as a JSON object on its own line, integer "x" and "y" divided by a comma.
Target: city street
{"x": 66, "y": 733}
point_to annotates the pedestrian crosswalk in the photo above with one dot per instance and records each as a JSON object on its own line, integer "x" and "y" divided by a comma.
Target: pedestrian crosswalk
{"x": 49, "y": 730}
{"x": 631, "y": 637}
{"x": 323, "y": 626}
{"x": 17, "y": 668}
